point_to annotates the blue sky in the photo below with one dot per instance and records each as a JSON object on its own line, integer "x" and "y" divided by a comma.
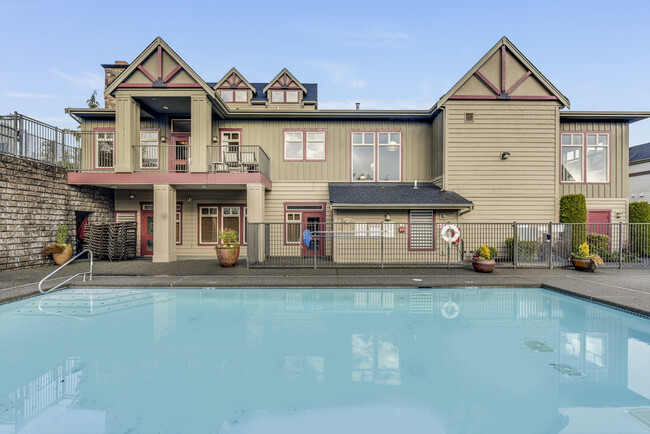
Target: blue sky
{"x": 383, "y": 54}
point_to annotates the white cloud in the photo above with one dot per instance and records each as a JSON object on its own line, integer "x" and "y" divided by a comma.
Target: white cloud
{"x": 341, "y": 73}
{"x": 85, "y": 80}
{"x": 371, "y": 38}
{"x": 29, "y": 95}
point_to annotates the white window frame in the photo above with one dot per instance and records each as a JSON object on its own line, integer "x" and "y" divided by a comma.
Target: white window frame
{"x": 605, "y": 148}
{"x": 152, "y": 151}
{"x": 309, "y": 141}
{"x": 295, "y": 140}
{"x": 284, "y": 99}
{"x": 201, "y": 216}
{"x": 305, "y": 141}
{"x": 389, "y": 145}
{"x": 584, "y": 151}
{"x": 375, "y": 156}
{"x": 292, "y": 222}
{"x": 103, "y": 136}
{"x": 230, "y": 209}
{"x": 233, "y": 95}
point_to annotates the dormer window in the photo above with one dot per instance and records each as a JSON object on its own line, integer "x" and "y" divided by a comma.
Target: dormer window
{"x": 234, "y": 95}
{"x": 284, "y": 96}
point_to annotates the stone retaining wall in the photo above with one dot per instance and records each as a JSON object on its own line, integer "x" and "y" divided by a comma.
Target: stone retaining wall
{"x": 34, "y": 200}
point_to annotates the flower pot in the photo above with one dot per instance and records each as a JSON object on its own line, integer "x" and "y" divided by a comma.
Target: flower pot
{"x": 63, "y": 257}
{"x": 484, "y": 266}
{"x": 227, "y": 256}
{"x": 584, "y": 264}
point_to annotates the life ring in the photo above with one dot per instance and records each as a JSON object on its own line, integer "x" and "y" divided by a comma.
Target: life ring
{"x": 450, "y": 310}
{"x": 450, "y": 237}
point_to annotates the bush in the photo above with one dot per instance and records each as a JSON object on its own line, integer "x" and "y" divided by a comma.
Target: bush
{"x": 640, "y": 234}
{"x": 598, "y": 244}
{"x": 526, "y": 250}
{"x": 573, "y": 208}
{"x": 62, "y": 234}
{"x": 493, "y": 252}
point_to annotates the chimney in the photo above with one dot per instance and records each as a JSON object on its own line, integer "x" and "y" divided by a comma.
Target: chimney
{"x": 111, "y": 71}
{"x": 358, "y": 105}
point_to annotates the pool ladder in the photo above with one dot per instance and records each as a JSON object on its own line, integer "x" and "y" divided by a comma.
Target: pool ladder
{"x": 89, "y": 273}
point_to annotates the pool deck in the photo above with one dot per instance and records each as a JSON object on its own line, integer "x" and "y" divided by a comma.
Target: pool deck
{"x": 628, "y": 289}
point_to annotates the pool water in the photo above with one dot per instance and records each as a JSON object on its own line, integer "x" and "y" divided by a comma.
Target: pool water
{"x": 321, "y": 361}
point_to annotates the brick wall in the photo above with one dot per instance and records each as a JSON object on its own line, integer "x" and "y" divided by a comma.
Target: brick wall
{"x": 34, "y": 200}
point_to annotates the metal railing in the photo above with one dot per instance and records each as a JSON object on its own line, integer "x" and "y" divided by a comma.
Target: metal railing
{"x": 238, "y": 159}
{"x": 89, "y": 273}
{"x": 162, "y": 158}
{"x": 29, "y": 138}
{"x": 388, "y": 244}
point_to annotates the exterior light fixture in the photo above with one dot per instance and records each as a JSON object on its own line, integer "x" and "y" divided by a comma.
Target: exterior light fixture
{"x": 188, "y": 198}
{"x": 505, "y": 155}
{"x": 131, "y": 196}
{"x": 204, "y": 186}
{"x": 163, "y": 139}
{"x": 215, "y": 139}
{"x": 387, "y": 217}
{"x": 165, "y": 107}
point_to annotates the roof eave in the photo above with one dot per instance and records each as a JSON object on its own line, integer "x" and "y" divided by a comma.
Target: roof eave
{"x": 630, "y": 117}
{"x": 401, "y": 206}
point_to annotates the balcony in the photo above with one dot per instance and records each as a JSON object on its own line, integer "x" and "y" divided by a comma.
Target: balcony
{"x": 238, "y": 159}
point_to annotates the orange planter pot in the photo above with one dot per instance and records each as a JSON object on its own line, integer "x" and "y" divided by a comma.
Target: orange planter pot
{"x": 227, "y": 256}
{"x": 63, "y": 257}
{"x": 584, "y": 264}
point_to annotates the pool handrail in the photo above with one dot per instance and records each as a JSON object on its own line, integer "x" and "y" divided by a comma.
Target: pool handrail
{"x": 89, "y": 273}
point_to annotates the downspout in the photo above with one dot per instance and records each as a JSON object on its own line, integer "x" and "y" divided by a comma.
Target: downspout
{"x": 444, "y": 148}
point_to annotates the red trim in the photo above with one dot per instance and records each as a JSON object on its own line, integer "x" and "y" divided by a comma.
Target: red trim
{"x": 535, "y": 98}
{"x": 233, "y": 94}
{"x": 503, "y": 68}
{"x": 111, "y": 178}
{"x": 304, "y": 144}
{"x": 135, "y": 85}
{"x": 198, "y": 222}
{"x": 171, "y": 74}
{"x": 147, "y": 73}
{"x": 220, "y": 220}
{"x": 487, "y": 82}
{"x": 298, "y": 211}
{"x": 143, "y": 229}
{"x": 473, "y": 97}
{"x": 159, "y": 61}
{"x": 297, "y": 89}
{"x": 183, "y": 85}
{"x": 180, "y": 229}
{"x": 584, "y": 157}
{"x": 102, "y": 169}
{"x": 521, "y": 80}
{"x": 135, "y": 213}
{"x": 376, "y": 154}
{"x": 433, "y": 218}
{"x": 646, "y": 172}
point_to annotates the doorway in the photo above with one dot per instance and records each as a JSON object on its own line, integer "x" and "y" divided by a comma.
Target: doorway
{"x": 314, "y": 222}
{"x": 179, "y": 154}
{"x": 146, "y": 231}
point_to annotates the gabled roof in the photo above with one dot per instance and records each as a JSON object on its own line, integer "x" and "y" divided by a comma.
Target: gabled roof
{"x": 280, "y": 74}
{"x": 640, "y": 152}
{"x": 504, "y": 44}
{"x": 157, "y": 44}
{"x": 241, "y": 77}
{"x": 393, "y": 195}
{"x": 311, "y": 93}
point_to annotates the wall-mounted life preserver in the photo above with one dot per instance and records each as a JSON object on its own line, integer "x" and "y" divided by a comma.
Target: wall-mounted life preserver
{"x": 450, "y": 233}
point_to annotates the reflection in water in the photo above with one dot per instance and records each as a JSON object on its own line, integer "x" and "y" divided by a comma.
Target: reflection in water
{"x": 296, "y": 361}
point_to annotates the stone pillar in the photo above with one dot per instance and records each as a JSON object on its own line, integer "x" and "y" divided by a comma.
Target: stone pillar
{"x": 127, "y": 132}
{"x": 164, "y": 227}
{"x": 255, "y": 197}
{"x": 201, "y": 118}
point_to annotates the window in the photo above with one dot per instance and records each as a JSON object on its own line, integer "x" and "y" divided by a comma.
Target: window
{"x": 234, "y": 95}
{"x": 284, "y": 96}
{"x": 421, "y": 230}
{"x": 297, "y": 214}
{"x": 181, "y": 126}
{"x": 594, "y": 168}
{"x": 469, "y": 117}
{"x": 179, "y": 223}
{"x": 376, "y": 156}
{"x": 149, "y": 149}
{"x": 230, "y": 140}
{"x": 209, "y": 227}
{"x": 230, "y": 219}
{"x": 304, "y": 145}
{"x": 293, "y": 227}
{"x": 104, "y": 142}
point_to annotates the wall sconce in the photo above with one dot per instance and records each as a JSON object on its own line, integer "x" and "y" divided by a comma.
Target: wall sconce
{"x": 215, "y": 139}
{"x": 163, "y": 139}
{"x": 188, "y": 198}
{"x": 387, "y": 217}
{"x": 131, "y": 196}
{"x": 505, "y": 155}
{"x": 619, "y": 214}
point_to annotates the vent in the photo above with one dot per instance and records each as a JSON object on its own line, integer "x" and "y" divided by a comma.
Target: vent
{"x": 469, "y": 117}
{"x": 639, "y": 414}
{"x": 421, "y": 230}
{"x": 539, "y": 347}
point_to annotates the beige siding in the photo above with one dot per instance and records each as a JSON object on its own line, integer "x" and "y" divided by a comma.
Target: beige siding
{"x": 521, "y": 188}
{"x": 619, "y": 154}
{"x": 416, "y": 147}
{"x": 301, "y": 192}
{"x": 618, "y": 207}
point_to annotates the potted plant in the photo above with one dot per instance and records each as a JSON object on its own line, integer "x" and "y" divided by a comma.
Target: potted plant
{"x": 584, "y": 260}
{"x": 483, "y": 260}
{"x": 61, "y": 251}
{"x": 228, "y": 250}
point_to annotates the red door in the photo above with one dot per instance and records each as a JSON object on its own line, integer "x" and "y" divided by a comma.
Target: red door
{"x": 599, "y": 222}
{"x": 179, "y": 153}
{"x": 314, "y": 223}
{"x": 146, "y": 235}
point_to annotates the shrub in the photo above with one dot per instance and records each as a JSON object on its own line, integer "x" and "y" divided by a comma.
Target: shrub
{"x": 598, "y": 243}
{"x": 526, "y": 250}
{"x": 62, "y": 234}
{"x": 573, "y": 209}
{"x": 229, "y": 238}
{"x": 640, "y": 234}
{"x": 493, "y": 252}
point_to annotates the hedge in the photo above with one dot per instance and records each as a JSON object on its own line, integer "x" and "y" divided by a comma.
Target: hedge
{"x": 598, "y": 244}
{"x": 573, "y": 209}
{"x": 640, "y": 234}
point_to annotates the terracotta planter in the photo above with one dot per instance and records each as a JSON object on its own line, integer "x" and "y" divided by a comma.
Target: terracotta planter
{"x": 63, "y": 257}
{"x": 584, "y": 264}
{"x": 484, "y": 266}
{"x": 228, "y": 256}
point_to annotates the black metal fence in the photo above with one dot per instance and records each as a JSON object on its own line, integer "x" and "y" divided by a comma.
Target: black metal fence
{"x": 387, "y": 244}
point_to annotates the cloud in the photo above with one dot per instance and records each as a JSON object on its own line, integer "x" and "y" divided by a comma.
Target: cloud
{"x": 85, "y": 80}
{"x": 372, "y": 38}
{"x": 29, "y": 95}
{"x": 340, "y": 73}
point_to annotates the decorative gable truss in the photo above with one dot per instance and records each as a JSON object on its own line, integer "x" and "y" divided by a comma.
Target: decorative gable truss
{"x": 233, "y": 87}
{"x": 504, "y": 74}
{"x": 284, "y": 88}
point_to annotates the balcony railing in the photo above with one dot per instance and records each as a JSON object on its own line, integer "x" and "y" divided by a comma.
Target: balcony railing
{"x": 238, "y": 159}
{"x": 161, "y": 158}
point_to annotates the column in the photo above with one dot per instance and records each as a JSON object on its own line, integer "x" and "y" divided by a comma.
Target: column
{"x": 164, "y": 223}
{"x": 201, "y": 126}
{"x": 255, "y": 197}
{"x": 127, "y": 132}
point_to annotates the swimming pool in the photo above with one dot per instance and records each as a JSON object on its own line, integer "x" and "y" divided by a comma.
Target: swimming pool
{"x": 496, "y": 360}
